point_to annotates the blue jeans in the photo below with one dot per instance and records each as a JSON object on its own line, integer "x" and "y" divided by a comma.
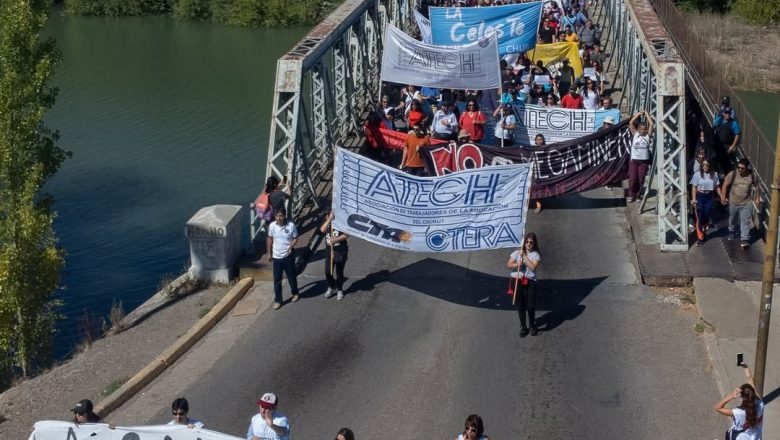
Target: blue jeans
{"x": 286, "y": 265}
{"x": 705, "y": 203}
{"x": 743, "y": 212}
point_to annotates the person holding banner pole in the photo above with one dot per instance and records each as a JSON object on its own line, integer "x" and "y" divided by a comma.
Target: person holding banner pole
{"x": 335, "y": 258}
{"x": 411, "y": 160}
{"x": 524, "y": 263}
{"x": 640, "y": 153}
{"x": 539, "y": 142}
{"x": 505, "y": 126}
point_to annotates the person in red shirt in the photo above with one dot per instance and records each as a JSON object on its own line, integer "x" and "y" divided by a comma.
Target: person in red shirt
{"x": 411, "y": 161}
{"x": 572, "y": 100}
{"x": 473, "y": 121}
{"x": 415, "y": 114}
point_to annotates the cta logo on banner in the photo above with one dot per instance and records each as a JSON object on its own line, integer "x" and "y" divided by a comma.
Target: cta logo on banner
{"x": 473, "y": 210}
{"x": 559, "y": 169}
{"x": 408, "y": 61}
{"x": 515, "y": 25}
{"x": 557, "y": 124}
{"x": 57, "y": 430}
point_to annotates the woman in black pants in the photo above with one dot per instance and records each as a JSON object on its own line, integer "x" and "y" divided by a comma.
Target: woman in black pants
{"x": 524, "y": 263}
{"x": 335, "y": 257}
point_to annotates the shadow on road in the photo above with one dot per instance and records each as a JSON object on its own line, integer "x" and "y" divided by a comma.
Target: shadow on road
{"x": 558, "y": 300}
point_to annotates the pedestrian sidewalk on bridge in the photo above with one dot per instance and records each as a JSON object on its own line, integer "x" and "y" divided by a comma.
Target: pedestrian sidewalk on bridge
{"x": 718, "y": 258}
{"x": 727, "y": 283}
{"x": 729, "y": 310}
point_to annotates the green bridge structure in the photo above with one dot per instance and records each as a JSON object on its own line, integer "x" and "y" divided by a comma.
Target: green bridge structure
{"x": 326, "y": 85}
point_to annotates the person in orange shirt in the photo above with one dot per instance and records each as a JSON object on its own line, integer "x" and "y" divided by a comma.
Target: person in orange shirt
{"x": 411, "y": 161}
{"x": 570, "y": 36}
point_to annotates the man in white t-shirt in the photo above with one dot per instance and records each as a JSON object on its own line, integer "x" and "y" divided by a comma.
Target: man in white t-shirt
{"x": 640, "y": 153}
{"x": 282, "y": 237}
{"x": 268, "y": 423}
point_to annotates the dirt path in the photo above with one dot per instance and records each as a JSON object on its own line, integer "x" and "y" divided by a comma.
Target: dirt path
{"x": 110, "y": 360}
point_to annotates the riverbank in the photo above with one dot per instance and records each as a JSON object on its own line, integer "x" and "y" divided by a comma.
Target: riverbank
{"x": 747, "y": 53}
{"x": 101, "y": 368}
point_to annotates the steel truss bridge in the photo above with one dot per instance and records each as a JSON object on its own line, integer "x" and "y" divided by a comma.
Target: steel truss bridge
{"x": 328, "y": 82}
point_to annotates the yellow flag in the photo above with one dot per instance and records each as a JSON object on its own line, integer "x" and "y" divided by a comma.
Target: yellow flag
{"x": 550, "y": 53}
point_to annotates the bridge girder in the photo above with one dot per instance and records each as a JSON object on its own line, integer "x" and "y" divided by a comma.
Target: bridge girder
{"x": 326, "y": 83}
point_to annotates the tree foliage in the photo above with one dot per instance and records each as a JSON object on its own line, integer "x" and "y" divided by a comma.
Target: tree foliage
{"x": 30, "y": 261}
{"x": 763, "y": 12}
{"x": 232, "y": 12}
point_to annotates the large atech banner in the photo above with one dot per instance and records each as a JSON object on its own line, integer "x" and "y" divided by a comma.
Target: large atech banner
{"x": 559, "y": 169}
{"x": 57, "y": 430}
{"x": 473, "y": 210}
{"x": 557, "y": 124}
{"x": 514, "y": 25}
{"x": 471, "y": 66}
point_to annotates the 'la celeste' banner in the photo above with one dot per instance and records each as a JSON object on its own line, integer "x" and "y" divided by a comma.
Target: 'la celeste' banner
{"x": 57, "y": 430}
{"x": 514, "y": 25}
{"x": 408, "y": 61}
{"x": 473, "y": 210}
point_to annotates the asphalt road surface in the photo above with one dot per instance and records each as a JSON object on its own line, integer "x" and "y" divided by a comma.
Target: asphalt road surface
{"x": 422, "y": 340}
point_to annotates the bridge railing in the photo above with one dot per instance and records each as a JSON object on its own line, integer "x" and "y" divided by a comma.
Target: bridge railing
{"x": 323, "y": 87}
{"x": 709, "y": 84}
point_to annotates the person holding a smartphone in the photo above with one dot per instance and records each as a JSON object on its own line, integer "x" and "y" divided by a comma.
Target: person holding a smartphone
{"x": 524, "y": 263}
{"x": 747, "y": 418}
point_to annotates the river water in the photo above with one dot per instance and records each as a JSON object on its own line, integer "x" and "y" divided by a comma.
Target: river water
{"x": 163, "y": 117}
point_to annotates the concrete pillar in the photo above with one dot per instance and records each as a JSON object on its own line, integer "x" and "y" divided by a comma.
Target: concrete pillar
{"x": 215, "y": 242}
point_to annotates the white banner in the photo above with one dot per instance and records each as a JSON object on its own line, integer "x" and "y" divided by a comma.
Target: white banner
{"x": 57, "y": 430}
{"x": 557, "y": 124}
{"x": 424, "y": 25}
{"x": 408, "y": 61}
{"x": 475, "y": 209}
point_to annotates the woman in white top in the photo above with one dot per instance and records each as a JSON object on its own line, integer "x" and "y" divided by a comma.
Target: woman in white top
{"x": 474, "y": 429}
{"x": 524, "y": 263}
{"x": 640, "y": 153}
{"x": 704, "y": 183}
{"x": 590, "y": 96}
{"x": 747, "y": 420}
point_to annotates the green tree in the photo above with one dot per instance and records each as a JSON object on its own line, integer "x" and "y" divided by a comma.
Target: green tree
{"x": 765, "y": 12}
{"x": 30, "y": 261}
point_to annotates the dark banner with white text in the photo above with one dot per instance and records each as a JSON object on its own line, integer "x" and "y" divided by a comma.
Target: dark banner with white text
{"x": 564, "y": 168}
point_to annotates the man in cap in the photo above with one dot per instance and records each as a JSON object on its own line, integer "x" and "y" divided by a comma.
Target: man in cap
{"x": 83, "y": 413}
{"x": 609, "y": 122}
{"x": 463, "y": 136}
{"x": 268, "y": 423}
{"x": 725, "y": 104}
{"x": 726, "y": 130}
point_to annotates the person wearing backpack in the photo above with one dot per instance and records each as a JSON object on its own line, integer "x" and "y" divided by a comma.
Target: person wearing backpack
{"x": 271, "y": 199}
{"x": 740, "y": 191}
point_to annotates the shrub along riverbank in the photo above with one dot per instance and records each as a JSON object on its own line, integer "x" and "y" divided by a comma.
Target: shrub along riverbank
{"x": 232, "y": 12}
{"x": 747, "y": 53}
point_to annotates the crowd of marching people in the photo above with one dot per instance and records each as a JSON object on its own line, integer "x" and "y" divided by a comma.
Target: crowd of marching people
{"x": 487, "y": 116}
{"x": 424, "y": 113}
{"x": 267, "y": 424}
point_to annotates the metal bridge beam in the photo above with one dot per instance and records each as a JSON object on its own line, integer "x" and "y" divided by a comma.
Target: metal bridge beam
{"x": 653, "y": 79}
